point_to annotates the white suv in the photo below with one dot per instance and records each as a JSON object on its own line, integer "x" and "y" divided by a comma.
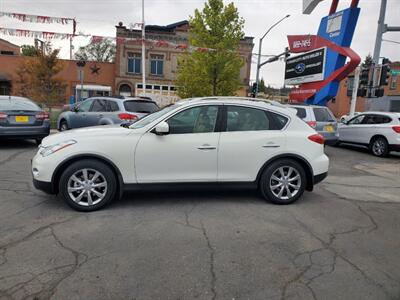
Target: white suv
{"x": 194, "y": 142}
{"x": 380, "y": 131}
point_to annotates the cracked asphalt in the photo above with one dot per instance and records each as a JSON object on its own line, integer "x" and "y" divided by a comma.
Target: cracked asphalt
{"x": 341, "y": 241}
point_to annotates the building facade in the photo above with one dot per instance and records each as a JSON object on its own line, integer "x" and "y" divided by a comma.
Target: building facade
{"x": 389, "y": 102}
{"x": 161, "y": 61}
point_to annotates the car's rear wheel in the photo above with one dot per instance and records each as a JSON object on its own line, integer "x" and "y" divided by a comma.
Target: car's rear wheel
{"x": 63, "y": 125}
{"x": 88, "y": 185}
{"x": 379, "y": 147}
{"x": 283, "y": 181}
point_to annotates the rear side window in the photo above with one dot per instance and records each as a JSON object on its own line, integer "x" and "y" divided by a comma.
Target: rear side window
{"x": 113, "y": 106}
{"x": 146, "y": 107}
{"x": 246, "y": 119}
{"x": 18, "y": 104}
{"x": 322, "y": 115}
{"x": 301, "y": 112}
{"x": 278, "y": 122}
{"x": 382, "y": 119}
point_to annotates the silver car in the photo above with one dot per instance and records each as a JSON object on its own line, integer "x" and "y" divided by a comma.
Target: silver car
{"x": 105, "y": 111}
{"x": 321, "y": 119}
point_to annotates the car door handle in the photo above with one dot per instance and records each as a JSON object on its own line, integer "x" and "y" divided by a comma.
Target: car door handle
{"x": 206, "y": 147}
{"x": 100, "y": 115}
{"x": 271, "y": 146}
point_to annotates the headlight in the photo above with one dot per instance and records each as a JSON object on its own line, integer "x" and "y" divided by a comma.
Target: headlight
{"x": 46, "y": 151}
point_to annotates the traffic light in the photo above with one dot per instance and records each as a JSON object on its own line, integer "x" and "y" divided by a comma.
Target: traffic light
{"x": 364, "y": 77}
{"x": 385, "y": 72}
{"x": 254, "y": 90}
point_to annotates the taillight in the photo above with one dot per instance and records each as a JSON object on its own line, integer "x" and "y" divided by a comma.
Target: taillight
{"x": 313, "y": 124}
{"x": 3, "y": 116}
{"x": 317, "y": 138}
{"x": 127, "y": 117}
{"x": 42, "y": 116}
{"x": 396, "y": 129}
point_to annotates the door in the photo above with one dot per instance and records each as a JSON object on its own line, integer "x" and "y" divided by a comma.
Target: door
{"x": 187, "y": 154}
{"x": 97, "y": 112}
{"x": 358, "y": 130}
{"x": 250, "y": 137}
{"x": 79, "y": 118}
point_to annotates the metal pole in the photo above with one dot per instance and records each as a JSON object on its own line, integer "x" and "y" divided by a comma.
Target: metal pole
{"x": 355, "y": 89}
{"x": 80, "y": 94}
{"x": 70, "y": 48}
{"x": 143, "y": 51}
{"x": 259, "y": 53}
{"x": 258, "y": 66}
{"x": 379, "y": 32}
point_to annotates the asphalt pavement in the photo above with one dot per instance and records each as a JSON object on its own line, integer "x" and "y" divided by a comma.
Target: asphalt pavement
{"x": 341, "y": 241}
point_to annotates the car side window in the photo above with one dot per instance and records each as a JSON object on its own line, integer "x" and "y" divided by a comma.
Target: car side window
{"x": 99, "y": 105}
{"x": 380, "y": 119}
{"x": 368, "y": 119}
{"x": 199, "y": 119}
{"x": 301, "y": 112}
{"x": 246, "y": 119}
{"x": 356, "y": 120}
{"x": 112, "y": 105}
{"x": 85, "y": 105}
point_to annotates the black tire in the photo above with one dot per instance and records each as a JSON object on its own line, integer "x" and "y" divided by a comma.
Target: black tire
{"x": 267, "y": 181}
{"x": 379, "y": 147}
{"x": 64, "y": 125}
{"x": 92, "y": 166}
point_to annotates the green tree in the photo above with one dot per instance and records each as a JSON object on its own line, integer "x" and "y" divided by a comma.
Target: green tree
{"x": 213, "y": 72}
{"x": 29, "y": 50}
{"x": 262, "y": 88}
{"x": 367, "y": 61}
{"x": 102, "y": 51}
{"x": 37, "y": 77}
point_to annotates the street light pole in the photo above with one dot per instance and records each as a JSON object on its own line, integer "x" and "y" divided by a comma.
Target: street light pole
{"x": 259, "y": 53}
{"x": 143, "y": 51}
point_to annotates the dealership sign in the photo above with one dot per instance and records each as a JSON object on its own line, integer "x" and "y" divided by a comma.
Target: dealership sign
{"x": 307, "y": 67}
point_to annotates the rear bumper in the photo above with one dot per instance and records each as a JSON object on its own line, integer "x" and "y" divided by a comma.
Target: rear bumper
{"x": 25, "y": 131}
{"x": 318, "y": 178}
{"x": 330, "y": 137}
{"x": 46, "y": 187}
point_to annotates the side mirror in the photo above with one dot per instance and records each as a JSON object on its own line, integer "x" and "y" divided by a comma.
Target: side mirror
{"x": 75, "y": 108}
{"x": 161, "y": 128}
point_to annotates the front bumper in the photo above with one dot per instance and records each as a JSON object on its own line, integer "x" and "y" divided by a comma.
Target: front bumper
{"x": 44, "y": 186}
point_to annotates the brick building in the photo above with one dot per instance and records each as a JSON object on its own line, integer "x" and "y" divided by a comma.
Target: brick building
{"x": 389, "y": 102}
{"x": 161, "y": 62}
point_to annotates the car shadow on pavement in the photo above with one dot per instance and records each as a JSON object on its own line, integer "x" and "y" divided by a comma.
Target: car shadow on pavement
{"x": 365, "y": 150}
{"x": 151, "y": 198}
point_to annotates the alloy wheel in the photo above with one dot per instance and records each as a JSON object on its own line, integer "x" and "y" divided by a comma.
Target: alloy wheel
{"x": 285, "y": 182}
{"x": 87, "y": 187}
{"x": 378, "y": 147}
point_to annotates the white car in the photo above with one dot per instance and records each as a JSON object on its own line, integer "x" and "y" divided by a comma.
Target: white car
{"x": 380, "y": 131}
{"x": 207, "y": 141}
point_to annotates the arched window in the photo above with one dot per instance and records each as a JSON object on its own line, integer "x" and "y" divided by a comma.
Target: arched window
{"x": 125, "y": 90}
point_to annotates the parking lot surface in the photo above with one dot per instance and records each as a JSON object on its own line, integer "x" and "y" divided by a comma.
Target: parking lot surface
{"x": 339, "y": 242}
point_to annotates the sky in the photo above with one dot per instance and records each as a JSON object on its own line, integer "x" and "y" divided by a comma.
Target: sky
{"x": 99, "y": 17}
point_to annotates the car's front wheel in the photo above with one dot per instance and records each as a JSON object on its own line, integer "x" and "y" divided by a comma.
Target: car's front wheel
{"x": 88, "y": 185}
{"x": 283, "y": 181}
{"x": 379, "y": 147}
{"x": 64, "y": 125}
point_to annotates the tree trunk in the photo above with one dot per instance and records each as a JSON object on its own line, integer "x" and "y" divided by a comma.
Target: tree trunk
{"x": 215, "y": 82}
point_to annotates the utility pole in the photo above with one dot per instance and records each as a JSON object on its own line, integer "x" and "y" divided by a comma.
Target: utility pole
{"x": 382, "y": 28}
{"x": 355, "y": 90}
{"x": 143, "y": 51}
{"x": 259, "y": 65}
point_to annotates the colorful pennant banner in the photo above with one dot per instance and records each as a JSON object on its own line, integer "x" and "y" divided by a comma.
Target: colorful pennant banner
{"x": 35, "y": 34}
{"x": 36, "y": 18}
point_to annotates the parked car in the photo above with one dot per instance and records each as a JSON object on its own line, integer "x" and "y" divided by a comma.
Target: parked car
{"x": 379, "y": 131}
{"x": 320, "y": 118}
{"x": 204, "y": 141}
{"x": 346, "y": 117}
{"x": 105, "y": 111}
{"x": 21, "y": 118}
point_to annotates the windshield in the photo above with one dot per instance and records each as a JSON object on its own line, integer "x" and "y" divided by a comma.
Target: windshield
{"x": 152, "y": 117}
{"x": 18, "y": 104}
